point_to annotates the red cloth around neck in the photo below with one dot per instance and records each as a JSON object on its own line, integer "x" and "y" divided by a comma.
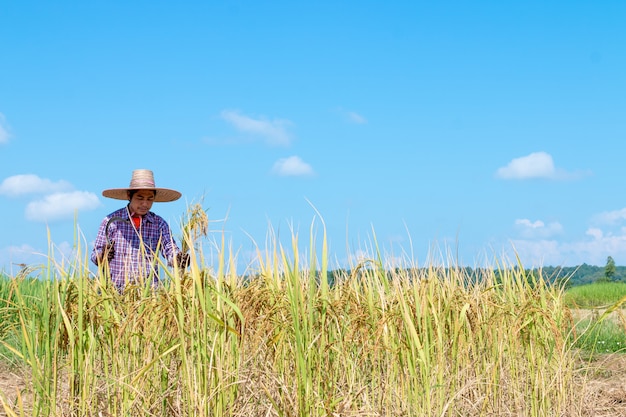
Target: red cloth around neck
{"x": 136, "y": 220}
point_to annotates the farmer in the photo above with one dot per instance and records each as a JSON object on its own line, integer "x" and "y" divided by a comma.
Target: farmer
{"x": 130, "y": 239}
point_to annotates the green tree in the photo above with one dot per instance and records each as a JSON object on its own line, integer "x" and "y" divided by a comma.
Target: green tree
{"x": 609, "y": 269}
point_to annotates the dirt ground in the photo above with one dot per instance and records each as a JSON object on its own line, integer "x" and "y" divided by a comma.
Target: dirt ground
{"x": 605, "y": 394}
{"x": 12, "y": 382}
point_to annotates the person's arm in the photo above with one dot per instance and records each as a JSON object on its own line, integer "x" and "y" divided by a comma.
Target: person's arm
{"x": 169, "y": 248}
{"x": 101, "y": 248}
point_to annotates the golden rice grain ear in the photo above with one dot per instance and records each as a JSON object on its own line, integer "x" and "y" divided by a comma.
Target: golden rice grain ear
{"x": 25, "y": 270}
{"x": 70, "y": 306}
{"x": 569, "y": 320}
{"x": 195, "y": 226}
{"x": 186, "y": 282}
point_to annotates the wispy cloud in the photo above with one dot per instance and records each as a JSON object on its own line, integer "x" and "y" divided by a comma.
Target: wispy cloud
{"x": 4, "y": 130}
{"x": 533, "y": 166}
{"x": 352, "y": 116}
{"x": 292, "y": 166}
{"x": 18, "y": 185}
{"x": 610, "y": 217}
{"x": 273, "y": 132}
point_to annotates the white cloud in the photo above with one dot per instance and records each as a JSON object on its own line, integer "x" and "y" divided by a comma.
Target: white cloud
{"x": 594, "y": 232}
{"x": 537, "y": 229}
{"x": 603, "y": 245}
{"x": 31, "y": 184}
{"x": 4, "y": 130}
{"x": 274, "y": 131}
{"x": 535, "y": 165}
{"x": 59, "y": 199}
{"x": 537, "y": 243}
{"x": 61, "y": 205}
{"x": 527, "y": 223}
{"x": 291, "y": 167}
{"x": 535, "y": 251}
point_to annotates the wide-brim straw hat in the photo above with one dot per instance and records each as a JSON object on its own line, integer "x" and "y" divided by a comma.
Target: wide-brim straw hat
{"x": 143, "y": 179}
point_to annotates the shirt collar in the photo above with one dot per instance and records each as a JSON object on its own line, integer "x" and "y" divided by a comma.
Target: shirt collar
{"x": 149, "y": 217}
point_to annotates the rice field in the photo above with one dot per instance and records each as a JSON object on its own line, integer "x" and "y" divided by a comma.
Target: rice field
{"x": 285, "y": 340}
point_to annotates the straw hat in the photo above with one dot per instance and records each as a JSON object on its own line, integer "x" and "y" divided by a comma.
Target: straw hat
{"x": 143, "y": 179}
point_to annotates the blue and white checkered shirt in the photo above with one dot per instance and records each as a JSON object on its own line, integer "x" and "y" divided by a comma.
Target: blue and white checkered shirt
{"x": 136, "y": 250}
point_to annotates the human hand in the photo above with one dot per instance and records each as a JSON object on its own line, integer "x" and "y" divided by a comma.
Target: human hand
{"x": 109, "y": 251}
{"x": 182, "y": 259}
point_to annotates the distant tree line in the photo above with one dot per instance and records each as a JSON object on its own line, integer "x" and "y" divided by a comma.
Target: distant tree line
{"x": 586, "y": 274}
{"x": 568, "y": 276}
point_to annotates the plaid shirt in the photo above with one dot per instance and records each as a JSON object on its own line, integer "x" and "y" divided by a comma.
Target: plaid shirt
{"x": 136, "y": 250}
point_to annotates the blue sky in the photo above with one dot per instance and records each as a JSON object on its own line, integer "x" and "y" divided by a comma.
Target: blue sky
{"x": 475, "y": 127}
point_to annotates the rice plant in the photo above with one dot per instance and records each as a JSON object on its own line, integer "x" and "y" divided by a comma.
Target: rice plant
{"x": 287, "y": 341}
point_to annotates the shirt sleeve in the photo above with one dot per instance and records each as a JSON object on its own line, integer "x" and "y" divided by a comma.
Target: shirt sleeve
{"x": 169, "y": 248}
{"x": 100, "y": 243}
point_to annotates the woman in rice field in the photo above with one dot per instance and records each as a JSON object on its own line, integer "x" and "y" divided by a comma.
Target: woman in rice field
{"x": 130, "y": 239}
